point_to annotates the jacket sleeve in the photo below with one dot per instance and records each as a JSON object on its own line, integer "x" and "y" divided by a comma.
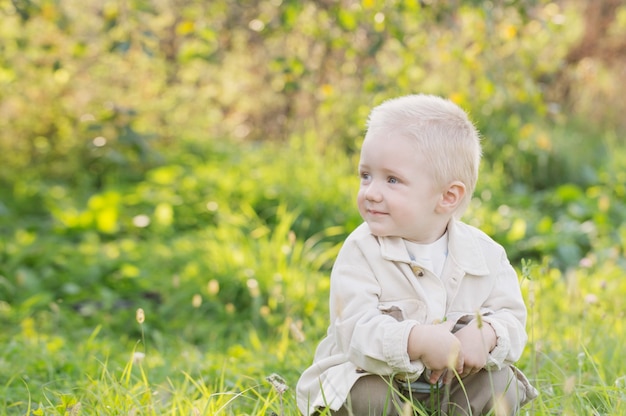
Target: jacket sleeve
{"x": 373, "y": 341}
{"x": 505, "y": 311}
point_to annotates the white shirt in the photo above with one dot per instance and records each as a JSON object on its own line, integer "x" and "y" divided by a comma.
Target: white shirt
{"x": 430, "y": 256}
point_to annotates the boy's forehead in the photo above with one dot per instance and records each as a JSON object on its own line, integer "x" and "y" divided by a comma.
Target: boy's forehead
{"x": 391, "y": 137}
{"x": 394, "y": 149}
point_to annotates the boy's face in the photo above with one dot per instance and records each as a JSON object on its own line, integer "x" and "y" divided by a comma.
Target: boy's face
{"x": 398, "y": 196}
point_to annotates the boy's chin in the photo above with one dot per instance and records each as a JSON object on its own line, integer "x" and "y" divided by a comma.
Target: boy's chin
{"x": 379, "y": 233}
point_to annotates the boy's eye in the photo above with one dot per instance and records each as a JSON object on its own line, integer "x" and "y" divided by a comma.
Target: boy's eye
{"x": 364, "y": 175}
{"x": 392, "y": 180}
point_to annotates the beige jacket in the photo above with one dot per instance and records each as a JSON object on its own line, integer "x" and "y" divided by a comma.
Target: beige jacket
{"x": 377, "y": 294}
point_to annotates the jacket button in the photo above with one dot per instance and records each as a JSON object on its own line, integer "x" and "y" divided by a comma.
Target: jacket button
{"x": 418, "y": 270}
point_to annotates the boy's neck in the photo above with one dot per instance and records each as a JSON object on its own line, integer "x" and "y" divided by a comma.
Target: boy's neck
{"x": 430, "y": 238}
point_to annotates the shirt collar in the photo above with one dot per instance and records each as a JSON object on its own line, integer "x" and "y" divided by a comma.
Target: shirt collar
{"x": 463, "y": 249}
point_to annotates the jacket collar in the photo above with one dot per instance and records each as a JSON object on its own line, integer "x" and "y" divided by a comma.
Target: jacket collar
{"x": 463, "y": 249}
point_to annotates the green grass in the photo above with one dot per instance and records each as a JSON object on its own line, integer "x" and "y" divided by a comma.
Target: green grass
{"x": 231, "y": 272}
{"x": 574, "y": 357}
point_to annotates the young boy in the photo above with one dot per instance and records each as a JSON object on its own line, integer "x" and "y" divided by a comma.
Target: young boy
{"x": 424, "y": 310}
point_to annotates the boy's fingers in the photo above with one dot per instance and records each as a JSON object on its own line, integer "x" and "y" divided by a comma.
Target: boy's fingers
{"x": 460, "y": 364}
{"x": 435, "y": 376}
{"x": 458, "y": 369}
{"x": 449, "y": 325}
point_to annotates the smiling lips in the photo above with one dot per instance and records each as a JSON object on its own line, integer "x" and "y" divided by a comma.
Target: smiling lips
{"x": 375, "y": 212}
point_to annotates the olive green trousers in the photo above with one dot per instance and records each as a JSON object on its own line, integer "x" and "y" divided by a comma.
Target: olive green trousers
{"x": 496, "y": 391}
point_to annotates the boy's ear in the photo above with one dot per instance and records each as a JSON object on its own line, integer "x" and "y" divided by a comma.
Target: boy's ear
{"x": 451, "y": 197}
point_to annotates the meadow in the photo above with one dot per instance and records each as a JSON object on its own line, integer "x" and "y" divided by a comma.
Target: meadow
{"x": 169, "y": 219}
{"x": 225, "y": 306}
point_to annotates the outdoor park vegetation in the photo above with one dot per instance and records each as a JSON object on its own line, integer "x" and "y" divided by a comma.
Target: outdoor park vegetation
{"x": 176, "y": 177}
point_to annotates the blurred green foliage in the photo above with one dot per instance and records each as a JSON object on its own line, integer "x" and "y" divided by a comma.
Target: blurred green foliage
{"x": 125, "y": 125}
{"x": 108, "y": 88}
{"x": 128, "y": 123}
{"x": 196, "y": 159}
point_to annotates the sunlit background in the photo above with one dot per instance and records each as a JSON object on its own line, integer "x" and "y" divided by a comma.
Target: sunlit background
{"x": 195, "y": 160}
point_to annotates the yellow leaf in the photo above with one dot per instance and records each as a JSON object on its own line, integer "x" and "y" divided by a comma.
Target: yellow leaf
{"x": 164, "y": 214}
{"x": 543, "y": 141}
{"x": 526, "y": 130}
{"x": 368, "y": 4}
{"x": 130, "y": 270}
{"x": 457, "y": 98}
{"x": 106, "y": 220}
{"x": 326, "y": 90}
{"x": 518, "y": 230}
{"x": 604, "y": 203}
{"x": 508, "y": 31}
{"x": 49, "y": 11}
{"x": 185, "y": 28}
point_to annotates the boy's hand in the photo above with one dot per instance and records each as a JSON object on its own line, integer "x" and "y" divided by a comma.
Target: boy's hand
{"x": 438, "y": 349}
{"x": 476, "y": 344}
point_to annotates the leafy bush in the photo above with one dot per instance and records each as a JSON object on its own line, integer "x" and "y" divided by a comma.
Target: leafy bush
{"x": 198, "y": 163}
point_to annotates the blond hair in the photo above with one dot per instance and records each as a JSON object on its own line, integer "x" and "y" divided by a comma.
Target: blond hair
{"x": 443, "y": 133}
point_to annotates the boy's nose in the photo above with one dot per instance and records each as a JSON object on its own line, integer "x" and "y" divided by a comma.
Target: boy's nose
{"x": 372, "y": 193}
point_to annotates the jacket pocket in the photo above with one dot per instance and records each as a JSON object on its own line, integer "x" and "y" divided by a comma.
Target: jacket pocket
{"x": 404, "y": 309}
